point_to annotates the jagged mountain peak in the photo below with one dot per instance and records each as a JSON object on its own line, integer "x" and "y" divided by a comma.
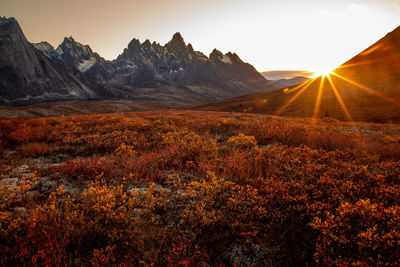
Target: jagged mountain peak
{"x": 69, "y": 39}
{"x": 8, "y": 20}
{"x": 10, "y": 27}
{"x": 146, "y": 44}
{"x": 134, "y": 43}
{"x": 49, "y": 51}
{"x": 216, "y": 55}
{"x": 44, "y": 45}
{"x": 190, "y": 48}
{"x": 234, "y": 57}
{"x": 28, "y": 74}
{"x": 134, "y": 47}
{"x": 177, "y": 37}
{"x": 177, "y": 43}
{"x": 70, "y": 42}
{"x": 229, "y": 58}
{"x": 73, "y": 53}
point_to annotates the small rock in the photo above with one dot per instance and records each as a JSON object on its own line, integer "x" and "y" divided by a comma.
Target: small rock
{"x": 22, "y": 170}
{"x": 20, "y": 212}
{"x": 10, "y": 183}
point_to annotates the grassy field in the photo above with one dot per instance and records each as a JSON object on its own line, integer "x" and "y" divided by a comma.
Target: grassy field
{"x": 185, "y": 188}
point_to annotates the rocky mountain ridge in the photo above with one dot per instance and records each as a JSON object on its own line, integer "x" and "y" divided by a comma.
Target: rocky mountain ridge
{"x": 27, "y": 74}
{"x": 171, "y": 74}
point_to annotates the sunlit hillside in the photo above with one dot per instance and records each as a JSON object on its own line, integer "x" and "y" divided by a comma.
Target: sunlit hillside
{"x": 185, "y": 188}
{"x": 365, "y": 88}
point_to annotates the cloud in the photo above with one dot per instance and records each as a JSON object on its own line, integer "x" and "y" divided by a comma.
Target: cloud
{"x": 393, "y": 5}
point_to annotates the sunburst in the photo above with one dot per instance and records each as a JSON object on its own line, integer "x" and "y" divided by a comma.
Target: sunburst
{"x": 323, "y": 72}
{"x": 326, "y": 74}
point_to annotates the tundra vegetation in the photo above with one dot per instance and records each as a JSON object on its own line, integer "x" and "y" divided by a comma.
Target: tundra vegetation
{"x": 182, "y": 188}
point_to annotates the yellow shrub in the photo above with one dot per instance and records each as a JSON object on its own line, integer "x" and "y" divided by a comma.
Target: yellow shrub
{"x": 242, "y": 141}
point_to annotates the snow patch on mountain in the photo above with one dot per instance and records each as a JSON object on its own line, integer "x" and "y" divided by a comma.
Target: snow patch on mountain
{"x": 226, "y": 59}
{"x": 86, "y": 65}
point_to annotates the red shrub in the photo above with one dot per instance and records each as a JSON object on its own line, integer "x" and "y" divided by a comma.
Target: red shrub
{"x": 25, "y": 134}
{"x": 37, "y": 149}
{"x": 86, "y": 167}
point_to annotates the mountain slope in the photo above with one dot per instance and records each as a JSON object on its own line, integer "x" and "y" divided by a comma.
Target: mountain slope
{"x": 366, "y": 88}
{"x": 27, "y": 75}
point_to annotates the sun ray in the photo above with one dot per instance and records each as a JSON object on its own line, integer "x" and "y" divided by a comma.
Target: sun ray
{"x": 318, "y": 100}
{"x": 306, "y": 85}
{"x": 339, "y": 98}
{"x": 365, "y": 88}
{"x": 299, "y": 86}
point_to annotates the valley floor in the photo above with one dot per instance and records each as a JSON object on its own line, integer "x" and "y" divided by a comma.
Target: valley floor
{"x": 79, "y": 107}
{"x": 186, "y": 188}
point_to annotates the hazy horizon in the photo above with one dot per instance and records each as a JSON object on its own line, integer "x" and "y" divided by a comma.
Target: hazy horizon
{"x": 273, "y": 35}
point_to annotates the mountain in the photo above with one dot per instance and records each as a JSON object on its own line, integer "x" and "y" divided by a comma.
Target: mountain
{"x": 284, "y": 83}
{"x": 174, "y": 68}
{"x": 173, "y": 74}
{"x": 286, "y": 78}
{"x": 27, "y": 75}
{"x": 49, "y": 51}
{"x": 286, "y": 74}
{"x": 365, "y": 88}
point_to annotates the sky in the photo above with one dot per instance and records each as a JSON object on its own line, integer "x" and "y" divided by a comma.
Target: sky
{"x": 315, "y": 35}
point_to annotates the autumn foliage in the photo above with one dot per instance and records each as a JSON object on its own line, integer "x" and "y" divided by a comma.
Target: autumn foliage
{"x": 198, "y": 189}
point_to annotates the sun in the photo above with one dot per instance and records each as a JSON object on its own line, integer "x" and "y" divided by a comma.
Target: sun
{"x": 323, "y": 72}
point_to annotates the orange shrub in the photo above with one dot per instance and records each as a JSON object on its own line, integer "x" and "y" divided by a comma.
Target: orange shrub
{"x": 362, "y": 234}
{"x": 185, "y": 148}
